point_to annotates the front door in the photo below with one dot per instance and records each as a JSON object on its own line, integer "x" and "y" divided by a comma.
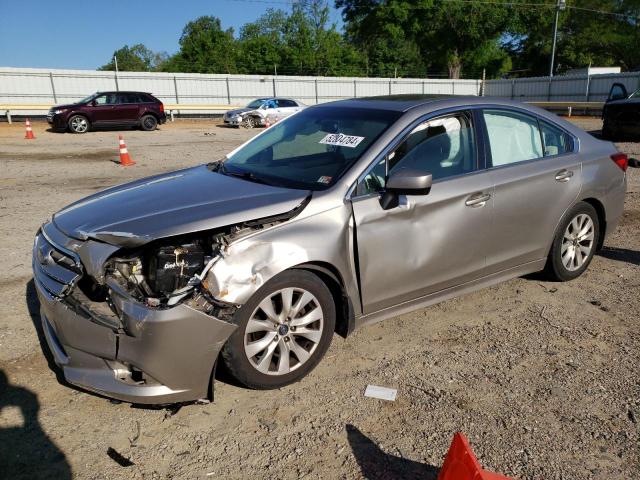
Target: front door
{"x": 537, "y": 177}
{"x": 102, "y": 109}
{"x": 428, "y": 242}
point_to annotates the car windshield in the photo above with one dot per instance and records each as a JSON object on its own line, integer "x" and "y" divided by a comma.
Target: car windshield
{"x": 256, "y": 103}
{"x": 89, "y": 98}
{"x": 635, "y": 94}
{"x": 310, "y": 150}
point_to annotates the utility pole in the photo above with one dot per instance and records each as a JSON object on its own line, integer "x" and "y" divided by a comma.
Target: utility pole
{"x": 115, "y": 61}
{"x": 560, "y": 5}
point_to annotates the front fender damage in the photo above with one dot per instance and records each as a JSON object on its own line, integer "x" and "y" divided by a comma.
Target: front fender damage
{"x": 243, "y": 268}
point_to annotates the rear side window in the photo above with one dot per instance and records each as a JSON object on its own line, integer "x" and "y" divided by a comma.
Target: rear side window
{"x": 286, "y": 103}
{"x": 513, "y": 137}
{"x": 556, "y": 142}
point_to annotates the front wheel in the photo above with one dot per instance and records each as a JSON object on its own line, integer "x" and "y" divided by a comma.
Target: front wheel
{"x": 249, "y": 122}
{"x": 78, "y": 124}
{"x": 283, "y": 331}
{"x": 574, "y": 243}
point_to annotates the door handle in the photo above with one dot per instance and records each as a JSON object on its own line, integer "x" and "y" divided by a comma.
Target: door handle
{"x": 477, "y": 200}
{"x": 564, "y": 175}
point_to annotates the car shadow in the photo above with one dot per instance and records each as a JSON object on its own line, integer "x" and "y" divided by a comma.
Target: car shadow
{"x": 26, "y": 451}
{"x": 631, "y": 257}
{"x": 99, "y": 129}
{"x": 375, "y": 464}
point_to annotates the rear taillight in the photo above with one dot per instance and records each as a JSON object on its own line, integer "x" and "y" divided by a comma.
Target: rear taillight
{"x": 162, "y": 108}
{"x": 621, "y": 160}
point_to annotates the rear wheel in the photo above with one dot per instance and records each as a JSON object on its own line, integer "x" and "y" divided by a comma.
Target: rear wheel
{"x": 574, "y": 244}
{"x": 148, "y": 123}
{"x": 283, "y": 331}
{"x": 78, "y": 124}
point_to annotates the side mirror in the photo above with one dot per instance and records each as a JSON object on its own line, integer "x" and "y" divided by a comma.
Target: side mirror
{"x": 93, "y": 103}
{"x": 633, "y": 163}
{"x": 405, "y": 181}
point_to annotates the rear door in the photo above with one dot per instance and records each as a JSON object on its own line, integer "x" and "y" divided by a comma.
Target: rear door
{"x": 428, "y": 242}
{"x": 286, "y": 107}
{"x": 128, "y": 107}
{"x": 537, "y": 176}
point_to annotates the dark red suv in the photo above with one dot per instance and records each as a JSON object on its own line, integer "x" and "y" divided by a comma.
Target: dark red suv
{"x": 105, "y": 109}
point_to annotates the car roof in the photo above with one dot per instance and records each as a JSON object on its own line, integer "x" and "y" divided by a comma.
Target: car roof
{"x": 123, "y": 91}
{"x": 397, "y": 103}
{"x": 406, "y": 102}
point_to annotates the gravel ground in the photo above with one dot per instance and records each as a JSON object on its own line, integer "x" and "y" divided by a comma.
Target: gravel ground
{"x": 542, "y": 377}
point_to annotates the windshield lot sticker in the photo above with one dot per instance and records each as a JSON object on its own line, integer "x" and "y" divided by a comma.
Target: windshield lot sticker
{"x": 324, "y": 179}
{"x": 341, "y": 140}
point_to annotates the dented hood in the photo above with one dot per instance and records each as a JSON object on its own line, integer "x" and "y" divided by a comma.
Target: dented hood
{"x": 185, "y": 201}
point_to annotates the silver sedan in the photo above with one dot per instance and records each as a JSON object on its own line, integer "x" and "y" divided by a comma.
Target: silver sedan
{"x": 343, "y": 214}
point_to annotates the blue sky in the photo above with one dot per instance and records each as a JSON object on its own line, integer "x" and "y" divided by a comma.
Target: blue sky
{"x": 84, "y": 34}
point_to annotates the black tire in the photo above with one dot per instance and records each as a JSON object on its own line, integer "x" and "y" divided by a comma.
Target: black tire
{"x": 555, "y": 268}
{"x": 78, "y": 124}
{"x": 148, "y": 123}
{"x": 233, "y": 352}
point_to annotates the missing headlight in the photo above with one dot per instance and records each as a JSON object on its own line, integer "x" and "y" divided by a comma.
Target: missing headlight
{"x": 172, "y": 266}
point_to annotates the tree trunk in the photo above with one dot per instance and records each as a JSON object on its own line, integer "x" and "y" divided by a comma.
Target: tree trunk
{"x": 454, "y": 63}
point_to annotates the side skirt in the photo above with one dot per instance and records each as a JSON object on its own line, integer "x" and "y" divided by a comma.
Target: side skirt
{"x": 451, "y": 292}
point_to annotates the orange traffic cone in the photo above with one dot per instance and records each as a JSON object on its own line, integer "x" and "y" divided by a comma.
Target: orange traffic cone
{"x": 29, "y": 133}
{"x": 125, "y": 159}
{"x": 461, "y": 464}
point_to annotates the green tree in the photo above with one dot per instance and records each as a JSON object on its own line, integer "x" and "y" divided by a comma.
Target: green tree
{"x": 303, "y": 42}
{"x": 584, "y": 37}
{"x": 136, "y": 58}
{"x": 205, "y": 48}
{"x": 434, "y": 35}
{"x": 262, "y": 43}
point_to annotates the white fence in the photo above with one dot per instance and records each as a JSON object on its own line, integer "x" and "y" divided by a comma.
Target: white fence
{"x": 573, "y": 88}
{"x": 23, "y": 86}
{"x": 44, "y": 86}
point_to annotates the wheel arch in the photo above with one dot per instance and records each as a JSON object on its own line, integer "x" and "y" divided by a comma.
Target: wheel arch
{"x": 602, "y": 219}
{"x": 330, "y": 276}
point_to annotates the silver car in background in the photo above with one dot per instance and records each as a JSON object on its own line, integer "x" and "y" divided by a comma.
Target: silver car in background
{"x": 260, "y": 112}
{"x": 344, "y": 214}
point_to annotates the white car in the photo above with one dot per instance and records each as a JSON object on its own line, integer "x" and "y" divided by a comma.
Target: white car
{"x": 259, "y": 111}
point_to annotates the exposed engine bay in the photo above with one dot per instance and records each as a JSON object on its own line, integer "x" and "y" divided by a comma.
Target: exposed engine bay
{"x": 166, "y": 272}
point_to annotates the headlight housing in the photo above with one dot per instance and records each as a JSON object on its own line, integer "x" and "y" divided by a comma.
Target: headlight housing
{"x": 59, "y": 111}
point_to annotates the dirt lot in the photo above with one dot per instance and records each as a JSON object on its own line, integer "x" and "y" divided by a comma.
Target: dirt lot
{"x": 542, "y": 377}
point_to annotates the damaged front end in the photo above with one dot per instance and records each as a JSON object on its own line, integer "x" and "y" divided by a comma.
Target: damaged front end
{"x": 138, "y": 323}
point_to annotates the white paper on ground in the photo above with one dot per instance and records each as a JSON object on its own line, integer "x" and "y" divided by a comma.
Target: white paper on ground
{"x": 383, "y": 393}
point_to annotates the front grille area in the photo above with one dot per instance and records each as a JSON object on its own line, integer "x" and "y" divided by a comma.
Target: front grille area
{"x": 50, "y": 115}
{"x": 55, "y": 268}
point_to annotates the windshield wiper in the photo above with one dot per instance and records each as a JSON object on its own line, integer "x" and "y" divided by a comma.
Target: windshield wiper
{"x": 251, "y": 177}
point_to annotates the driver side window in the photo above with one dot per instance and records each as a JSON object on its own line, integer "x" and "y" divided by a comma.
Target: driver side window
{"x": 443, "y": 146}
{"x": 106, "y": 99}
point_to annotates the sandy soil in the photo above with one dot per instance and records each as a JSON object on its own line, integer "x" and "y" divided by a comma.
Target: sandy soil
{"x": 542, "y": 377}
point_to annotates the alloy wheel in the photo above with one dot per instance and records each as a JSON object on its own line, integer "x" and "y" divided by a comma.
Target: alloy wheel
{"x": 79, "y": 124}
{"x": 283, "y": 331}
{"x": 577, "y": 242}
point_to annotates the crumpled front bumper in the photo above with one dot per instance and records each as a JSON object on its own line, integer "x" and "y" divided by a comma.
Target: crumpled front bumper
{"x": 154, "y": 356}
